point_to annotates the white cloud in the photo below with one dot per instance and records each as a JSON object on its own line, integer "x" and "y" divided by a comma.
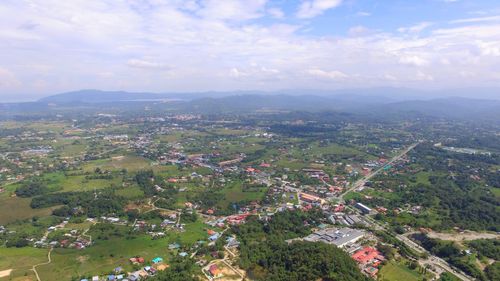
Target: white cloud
{"x": 489, "y": 48}
{"x": 7, "y": 79}
{"x": 276, "y": 13}
{"x": 333, "y": 75}
{"x": 474, "y": 20}
{"x": 111, "y": 45}
{"x": 359, "y": 30}
{"x": 146, "y": 64}
{"x": 424, "y": 77}
{"x": 232, "y": 9}
{"x": 313, "y": 8}
{"x": 413, "y": 60}
{"x": 415, "y": 28}
{"x": 363, "y": 14}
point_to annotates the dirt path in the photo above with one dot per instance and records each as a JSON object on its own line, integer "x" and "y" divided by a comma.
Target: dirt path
{"x": 5, "y": 273}
{"x": 463, "y": 236}
{"x": 47, "y": 262}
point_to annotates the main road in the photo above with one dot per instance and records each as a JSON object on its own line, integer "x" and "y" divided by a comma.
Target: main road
{"x": 359, "y": 183}
{"x": 431, "y": 260}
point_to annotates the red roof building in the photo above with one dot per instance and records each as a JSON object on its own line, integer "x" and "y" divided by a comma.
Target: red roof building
{"x": 367, "y": 255}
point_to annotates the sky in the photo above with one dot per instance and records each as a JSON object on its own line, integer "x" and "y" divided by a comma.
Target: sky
{"x": 54, "y": 46}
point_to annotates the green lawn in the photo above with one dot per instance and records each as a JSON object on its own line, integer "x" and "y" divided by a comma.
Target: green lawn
{"x": 119, "y": 162}
{"x": 394, "y": 271}
{"x": 20, "y": 260}
{"x": 15, "y": 208}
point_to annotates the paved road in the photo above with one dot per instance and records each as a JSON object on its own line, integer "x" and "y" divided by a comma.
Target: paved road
{"x": 431, "y": 260}
{"x": 359, "y": 183}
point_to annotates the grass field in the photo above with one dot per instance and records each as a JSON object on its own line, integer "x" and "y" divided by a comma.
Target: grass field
{"x": 394, "y": 271}
{"x": 130, "y": 162}
{"x": 15, "y": 208}
{"x": 130, "y": 192}
{"x": 20, "y": 260}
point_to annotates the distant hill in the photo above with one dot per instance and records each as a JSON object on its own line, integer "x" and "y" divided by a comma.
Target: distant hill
{"x": 453, "y": 108}
{"x": 375, "y": 102}
{"x": 380, "y": 107}
{"x": 97, "y": 96}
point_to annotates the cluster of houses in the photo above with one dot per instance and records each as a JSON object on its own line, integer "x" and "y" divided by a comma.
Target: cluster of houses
{"x": 70, "y": 239}
{"x": 143, "y": 273}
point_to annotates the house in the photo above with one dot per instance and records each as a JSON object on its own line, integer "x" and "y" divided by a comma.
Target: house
{"x": 214, "y": 237}
{"x": 364, "y": 209}
{"x": 214, "y": 271}
{"x": 162, "y": 267}
{"x": 367, "y": 255}
{"x": 157, "y": 260}
{"x": 310, "y": 198}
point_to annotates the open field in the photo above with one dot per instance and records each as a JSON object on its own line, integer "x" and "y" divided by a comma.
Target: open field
{"x": 128, "y": 162}
{"x": 15, "y": 208}
{"x": 463, "y": 236}
{"x": 20, "y": 261}
{"x": 394, "y": 271}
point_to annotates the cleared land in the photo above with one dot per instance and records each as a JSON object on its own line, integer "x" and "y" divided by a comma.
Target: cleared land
{"x": 463, "y": 236}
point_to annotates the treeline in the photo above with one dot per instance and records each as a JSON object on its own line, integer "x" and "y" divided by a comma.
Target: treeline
{"x": 486, "y": 247}
{"x": 265, "y": 254}
{"x": 105, "y": 203}
{"x": 31, "y": 188}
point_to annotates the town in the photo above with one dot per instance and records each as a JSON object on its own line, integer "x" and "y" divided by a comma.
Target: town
{"x": 114, "y": 197}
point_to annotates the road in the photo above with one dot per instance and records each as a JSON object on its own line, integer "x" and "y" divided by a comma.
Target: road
{"x": 359, "y": 183}
{"x": 432, "y": 260}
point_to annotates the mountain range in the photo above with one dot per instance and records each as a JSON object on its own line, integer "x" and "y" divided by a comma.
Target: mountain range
{"x": 376, "y": 102}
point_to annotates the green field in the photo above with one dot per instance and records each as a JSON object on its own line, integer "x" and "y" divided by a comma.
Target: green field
{"x": 394, "y": 271}
{"x": 15, "y": 208}
{"x": 119, "y": 162}
{"x": 20, "y": 260}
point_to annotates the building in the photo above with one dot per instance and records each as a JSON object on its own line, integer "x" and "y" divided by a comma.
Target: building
{"x": 338, "y": 237}
{"x": 364, "y": 209}
{"x": 311, "y": 198}
{"x": 214, "y": 271}
{"x": 368, "y": 255}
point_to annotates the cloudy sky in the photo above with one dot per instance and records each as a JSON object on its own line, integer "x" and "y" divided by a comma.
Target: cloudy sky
{"x": 51, "y": 46}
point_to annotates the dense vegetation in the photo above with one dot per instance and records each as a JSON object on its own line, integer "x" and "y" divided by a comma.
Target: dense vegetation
{"x": 266, "y": 256}
{"x": 32, "y": 188}
{"x": 450, "y": 252}
{"x": 486, "y": 247}
{"x": 87, "y": 203}
{"x": 454, "y": 193}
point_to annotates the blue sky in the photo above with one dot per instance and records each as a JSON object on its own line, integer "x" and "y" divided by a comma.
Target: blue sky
{"x": 51, "y": 46}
